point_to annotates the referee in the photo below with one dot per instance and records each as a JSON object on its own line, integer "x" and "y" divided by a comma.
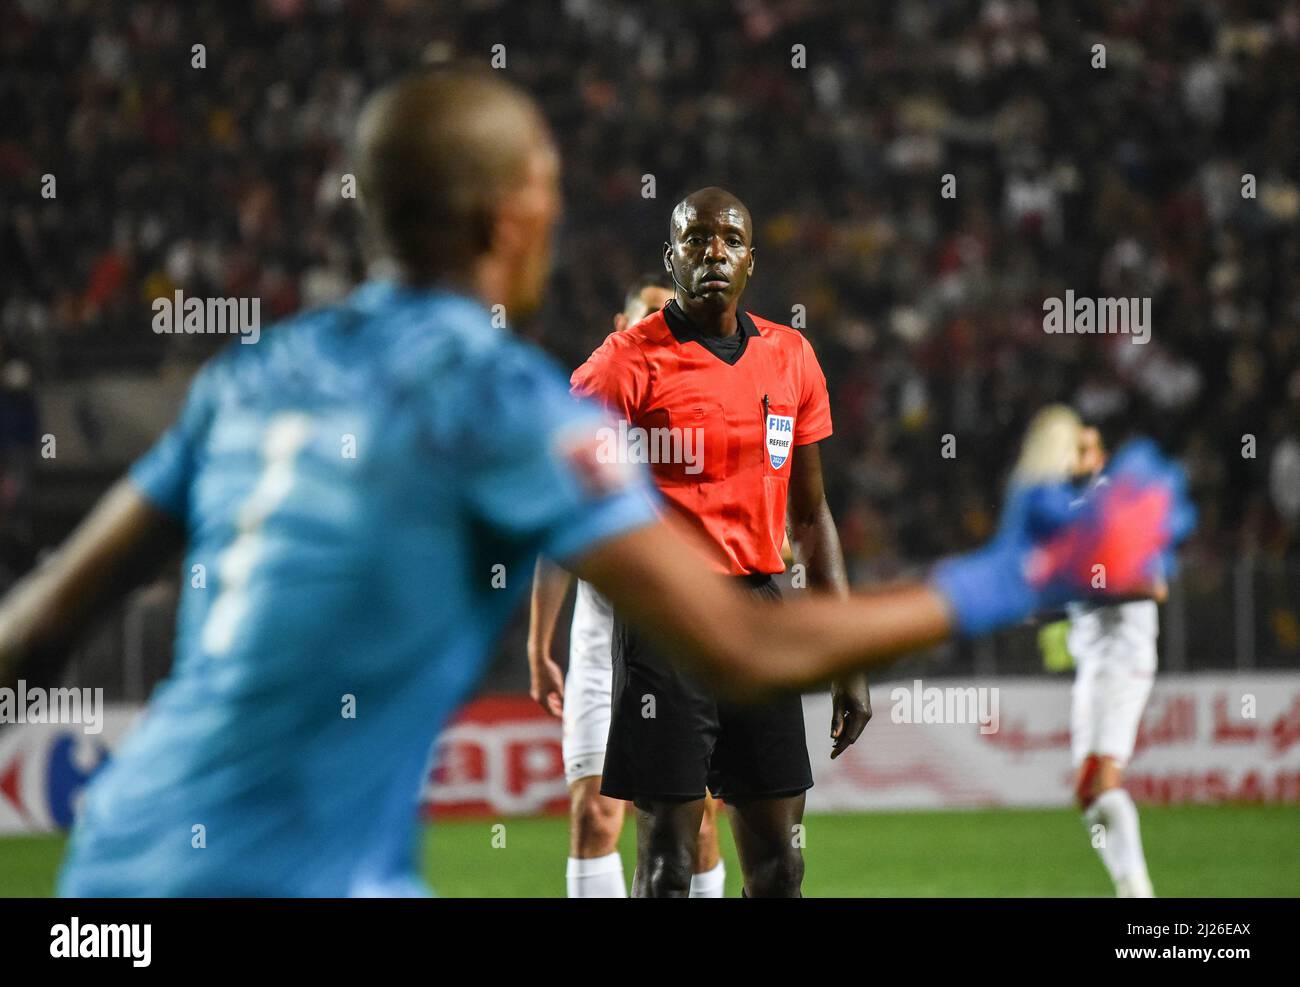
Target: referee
{"x": 746, "y": 401}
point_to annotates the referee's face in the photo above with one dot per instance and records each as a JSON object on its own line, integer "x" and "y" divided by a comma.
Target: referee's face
{"x": 711, "y": 252}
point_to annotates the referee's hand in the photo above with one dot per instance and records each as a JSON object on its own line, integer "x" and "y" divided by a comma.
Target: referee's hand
{"x": 547, "y": 686}
{"x": 850, "y": 711}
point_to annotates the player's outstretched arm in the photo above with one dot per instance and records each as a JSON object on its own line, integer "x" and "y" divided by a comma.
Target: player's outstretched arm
{"x": 1048, "y": 550}
{"x": 121, "y": 543}
{"x": 550, "y": 586}
{"x": 654, "y": 579}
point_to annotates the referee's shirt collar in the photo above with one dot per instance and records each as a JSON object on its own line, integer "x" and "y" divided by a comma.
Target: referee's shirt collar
{"x": 684, "y": 330}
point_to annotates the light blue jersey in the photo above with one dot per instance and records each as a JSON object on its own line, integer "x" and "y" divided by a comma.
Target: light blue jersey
{"x": 351, "y": 486}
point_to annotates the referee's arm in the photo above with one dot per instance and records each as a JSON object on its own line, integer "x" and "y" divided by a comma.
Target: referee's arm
{"x": 816, "y": 544}
{"x": 813, "y": 536}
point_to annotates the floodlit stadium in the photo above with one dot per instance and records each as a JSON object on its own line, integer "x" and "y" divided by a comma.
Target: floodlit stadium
{"x": 1015, "y": 274}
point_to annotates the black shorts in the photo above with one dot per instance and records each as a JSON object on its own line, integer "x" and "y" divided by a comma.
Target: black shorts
{"x": 669, "y": 737}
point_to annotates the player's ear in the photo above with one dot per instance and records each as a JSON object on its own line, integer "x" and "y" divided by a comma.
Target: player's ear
{"x": 620, "y": 322}
{"x": 491, "y": 223}
{"x": 668, "y": 257}
{"x": 489, "y": 229}
{"x": 750, "y": 271}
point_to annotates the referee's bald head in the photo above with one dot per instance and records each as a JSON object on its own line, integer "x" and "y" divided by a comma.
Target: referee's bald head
{"x": 458, "y": 171}
{"x": 709, "y": 199}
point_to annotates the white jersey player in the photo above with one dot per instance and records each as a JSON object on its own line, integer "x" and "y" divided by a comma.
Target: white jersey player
{"x": 588, "y": 684}
{"x": 582, "y": 698}
{"x": 1114, "y": 649}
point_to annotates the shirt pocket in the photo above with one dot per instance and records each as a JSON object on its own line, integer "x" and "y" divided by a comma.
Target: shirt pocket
{"x": 697, "y": 443}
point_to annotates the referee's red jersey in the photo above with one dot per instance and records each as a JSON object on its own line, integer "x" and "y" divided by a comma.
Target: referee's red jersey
{"x": 735, "y": 417}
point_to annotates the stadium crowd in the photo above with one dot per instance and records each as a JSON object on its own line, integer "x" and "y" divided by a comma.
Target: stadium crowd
{"x": 218, "y": 170}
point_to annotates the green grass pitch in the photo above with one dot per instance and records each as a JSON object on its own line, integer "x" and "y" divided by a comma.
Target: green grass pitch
{"x": 1193, "y": 851}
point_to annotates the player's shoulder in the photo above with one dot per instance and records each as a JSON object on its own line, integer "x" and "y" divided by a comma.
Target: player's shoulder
{"x": 434, "y": 339}
{"x": 497, "y": 392}
{"x": 422, "y": 348}
{"x": 247, "y": 364}
{"x": 332, "y": 350}
{"x": 502, "y": 374}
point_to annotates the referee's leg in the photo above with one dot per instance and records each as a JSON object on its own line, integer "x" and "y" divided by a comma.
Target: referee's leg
{"x": 666, "y": 834}
{"x": 768, "y": 839}
{"x": 662, "y": 729}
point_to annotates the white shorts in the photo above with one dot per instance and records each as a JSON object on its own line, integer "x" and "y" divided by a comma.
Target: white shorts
{"x": 588, "y": 685}
{"x": 1114, "y": 649}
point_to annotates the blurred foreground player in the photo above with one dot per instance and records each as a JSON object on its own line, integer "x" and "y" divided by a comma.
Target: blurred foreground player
{"x": 581, "y": 697}
{"x": 349, "y": 603}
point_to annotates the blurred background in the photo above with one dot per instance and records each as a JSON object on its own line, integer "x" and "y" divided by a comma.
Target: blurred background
{"x": 925, "y": 311}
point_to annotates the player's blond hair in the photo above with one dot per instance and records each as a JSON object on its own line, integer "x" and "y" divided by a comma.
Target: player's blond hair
{"x": 1050, "y": 447}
